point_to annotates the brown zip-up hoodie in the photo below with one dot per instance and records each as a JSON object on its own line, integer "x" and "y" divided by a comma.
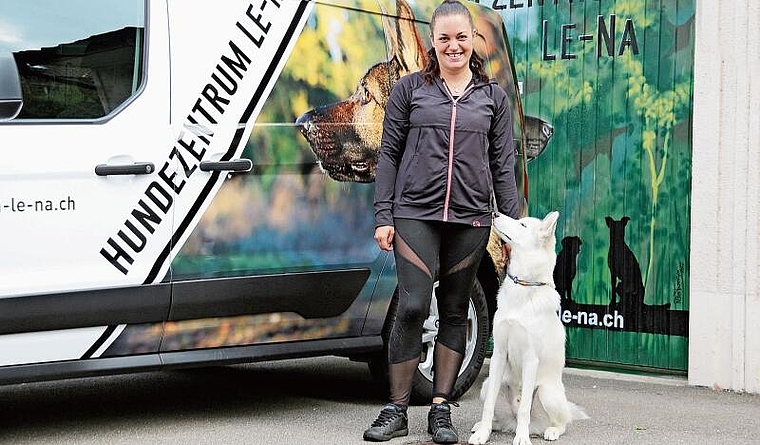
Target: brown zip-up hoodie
{"x": 443, "y": 158}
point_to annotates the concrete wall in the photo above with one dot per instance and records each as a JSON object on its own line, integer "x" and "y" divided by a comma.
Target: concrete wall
{"x": 724, "y": 337}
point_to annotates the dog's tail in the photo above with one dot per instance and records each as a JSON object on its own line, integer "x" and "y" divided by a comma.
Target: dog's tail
{"x": 576, "y": 412}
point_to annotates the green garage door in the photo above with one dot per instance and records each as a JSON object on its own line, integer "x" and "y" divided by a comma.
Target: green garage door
{"x": 613, "y": 78}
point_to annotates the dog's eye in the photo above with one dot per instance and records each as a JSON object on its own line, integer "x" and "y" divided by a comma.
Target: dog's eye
{"x": 523, "y": 224}
{"x": 366, "y": 97}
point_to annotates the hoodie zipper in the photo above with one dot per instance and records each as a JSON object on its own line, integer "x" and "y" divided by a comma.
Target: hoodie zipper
{"x": 450, "y": 171}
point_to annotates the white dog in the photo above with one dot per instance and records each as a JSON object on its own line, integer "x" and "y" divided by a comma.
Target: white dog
{"x": 525, "y": 375}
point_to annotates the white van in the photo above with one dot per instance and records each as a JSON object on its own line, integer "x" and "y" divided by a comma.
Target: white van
{"x": 186, "y": 182}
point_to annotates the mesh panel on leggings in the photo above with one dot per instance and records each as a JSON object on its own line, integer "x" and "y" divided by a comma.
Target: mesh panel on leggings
{"x": 447, "y": 364}
{"x": 464, "y": 263}
{"x": 408, "y": 254}
{"x": 400, "y": 376}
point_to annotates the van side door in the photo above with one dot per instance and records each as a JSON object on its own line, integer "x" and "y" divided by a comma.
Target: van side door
{"x": 282, "y": 252}
{"x": 84, "y": 211}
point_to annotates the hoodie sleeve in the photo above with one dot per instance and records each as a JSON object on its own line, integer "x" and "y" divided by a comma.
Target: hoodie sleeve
{"x": 502, "y": 156}
{"x": 395, "y": 130}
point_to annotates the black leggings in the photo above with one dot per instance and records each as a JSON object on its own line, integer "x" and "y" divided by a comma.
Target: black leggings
{"x": 418, "y": 246}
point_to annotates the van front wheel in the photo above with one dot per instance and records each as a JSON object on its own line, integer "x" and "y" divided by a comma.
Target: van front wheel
{"x": 474, "y": 355}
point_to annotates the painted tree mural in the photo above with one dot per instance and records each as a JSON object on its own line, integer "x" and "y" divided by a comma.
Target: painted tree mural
{"x": 614, "y": 78}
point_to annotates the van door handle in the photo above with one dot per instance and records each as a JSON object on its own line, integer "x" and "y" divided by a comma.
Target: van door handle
{"x": 138, "y": 168}
{"x": 234, "y": 165}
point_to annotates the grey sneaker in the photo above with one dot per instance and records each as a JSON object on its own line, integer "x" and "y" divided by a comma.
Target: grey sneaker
{"x": 439, "y": 423}
{"x": 392, "y": 422}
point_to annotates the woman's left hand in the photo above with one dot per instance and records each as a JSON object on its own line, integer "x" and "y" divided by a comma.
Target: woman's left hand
{"x": 384, "y": 237}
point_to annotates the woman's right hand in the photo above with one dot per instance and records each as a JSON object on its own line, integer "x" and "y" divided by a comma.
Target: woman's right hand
{"x": 384, "y": 237}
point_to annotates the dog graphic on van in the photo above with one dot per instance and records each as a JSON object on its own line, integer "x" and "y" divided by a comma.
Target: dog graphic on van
{"x": 345, "y": 136}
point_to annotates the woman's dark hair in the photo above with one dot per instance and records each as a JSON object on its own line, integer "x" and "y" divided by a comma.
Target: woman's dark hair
{"x": 433, "y": 70}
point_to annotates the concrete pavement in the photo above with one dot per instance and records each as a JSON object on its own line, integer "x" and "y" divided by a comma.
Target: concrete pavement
{"x": 628, "y": 409}
{"x": 331, "y": 400}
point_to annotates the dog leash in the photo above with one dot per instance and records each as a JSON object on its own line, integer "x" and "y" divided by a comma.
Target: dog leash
{"x": 524, "y": 282}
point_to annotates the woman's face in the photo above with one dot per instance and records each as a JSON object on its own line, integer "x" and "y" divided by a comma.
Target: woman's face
{"x": 453, "y": 39}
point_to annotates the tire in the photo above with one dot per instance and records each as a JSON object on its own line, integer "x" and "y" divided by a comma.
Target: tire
{"x": 475, "y": 348}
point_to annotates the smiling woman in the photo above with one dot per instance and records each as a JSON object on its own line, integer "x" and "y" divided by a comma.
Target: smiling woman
{"x": 453, "y": 45}
{"x": 446, "y": 157}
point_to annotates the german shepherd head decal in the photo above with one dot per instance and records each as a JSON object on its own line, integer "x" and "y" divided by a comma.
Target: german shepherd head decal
{"x": 345, "y": 136}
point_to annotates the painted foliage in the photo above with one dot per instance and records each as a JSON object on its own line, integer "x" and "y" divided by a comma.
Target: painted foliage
{"x": 614, "y": 79}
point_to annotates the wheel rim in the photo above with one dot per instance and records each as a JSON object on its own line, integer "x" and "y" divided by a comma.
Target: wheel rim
{"x": 430, "y": 332}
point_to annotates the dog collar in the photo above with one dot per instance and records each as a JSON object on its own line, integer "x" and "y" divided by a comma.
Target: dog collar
{"x": 524, "y": 282}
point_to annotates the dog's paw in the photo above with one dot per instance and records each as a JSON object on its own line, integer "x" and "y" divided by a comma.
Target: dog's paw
{"x": 475, "y": 427}
{"x": 521, "y": 440}
{"x": 552, "y": 433}
{"x": 480, "y": 435}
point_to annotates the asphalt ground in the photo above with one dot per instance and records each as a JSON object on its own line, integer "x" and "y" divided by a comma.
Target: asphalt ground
{"x": 332, "y": 400}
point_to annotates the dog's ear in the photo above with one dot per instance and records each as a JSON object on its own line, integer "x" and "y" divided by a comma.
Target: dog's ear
{"x": 549, "y": 225}
{"x": 403, "y": 40}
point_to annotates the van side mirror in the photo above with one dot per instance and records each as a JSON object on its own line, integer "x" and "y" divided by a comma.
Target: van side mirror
{"x": 11, "y": 99}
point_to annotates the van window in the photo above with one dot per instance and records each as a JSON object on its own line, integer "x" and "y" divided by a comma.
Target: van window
{"x": 77, "y": 59}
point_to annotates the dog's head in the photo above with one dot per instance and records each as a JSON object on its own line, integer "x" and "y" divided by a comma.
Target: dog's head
{"x": 571, "y": 244}
{"x": 538, "y": 132}
{"x": 617, "y": 228}
{"x": 345, "y": 136}
{"x": 528, "y": 235}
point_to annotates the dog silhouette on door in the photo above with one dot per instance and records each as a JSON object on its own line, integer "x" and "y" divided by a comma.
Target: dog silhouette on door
{"x": 625, "y": 275}
{"x": 565, "y": 269}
